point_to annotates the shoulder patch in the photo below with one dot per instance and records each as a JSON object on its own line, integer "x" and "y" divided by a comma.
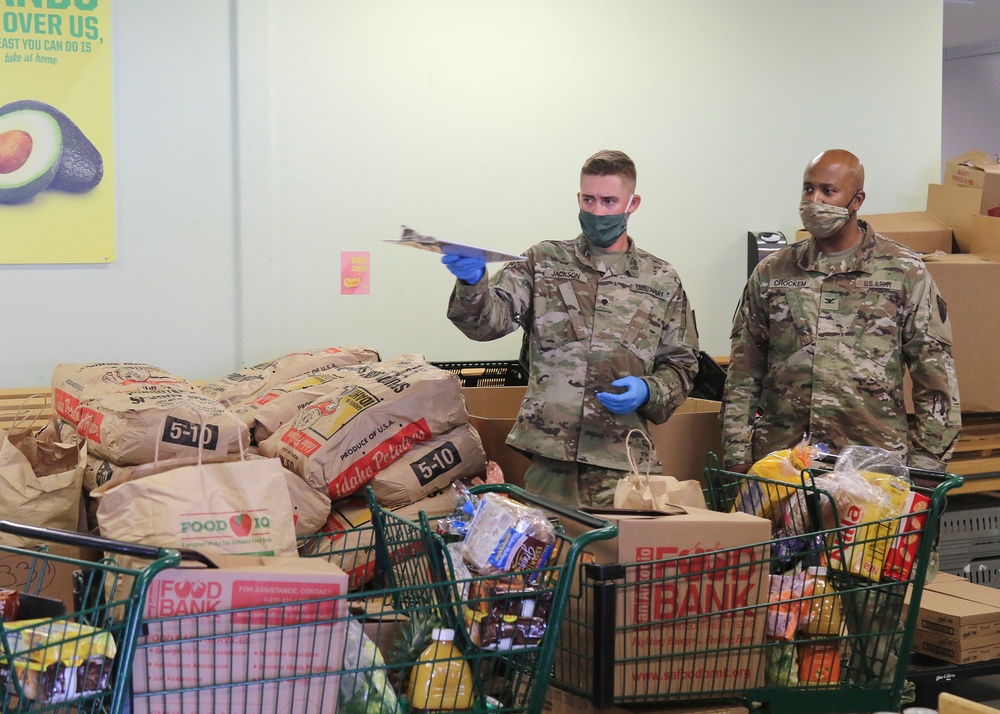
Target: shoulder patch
{"x": 942, "y": 307}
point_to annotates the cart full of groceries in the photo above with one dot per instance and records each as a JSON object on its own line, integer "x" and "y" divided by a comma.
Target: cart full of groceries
{"x": 456, "y": 612}
{"x": 799, "y": 593}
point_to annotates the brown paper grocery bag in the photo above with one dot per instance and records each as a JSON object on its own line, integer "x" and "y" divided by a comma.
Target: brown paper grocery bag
{"x": 654, "y": 492}
{"x": 41, "y": 481}
{"x": 237, "y": 507}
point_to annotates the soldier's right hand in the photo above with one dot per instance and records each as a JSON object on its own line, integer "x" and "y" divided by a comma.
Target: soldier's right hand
{"x": 468, "y": 270}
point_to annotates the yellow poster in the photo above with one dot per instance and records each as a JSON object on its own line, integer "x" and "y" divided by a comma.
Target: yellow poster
{"x": 57, "y": 193}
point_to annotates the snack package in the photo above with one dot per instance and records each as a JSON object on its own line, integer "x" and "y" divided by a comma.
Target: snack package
{"x": 870, "y": 486}
{"x": 787, "y": 605}
{"x": 903, "y": 549}
{"x": 506, "y": 613}
{"x": 55, "y": 661}
{"x": 507, "y": 536}
{"x": 763, "y": 499}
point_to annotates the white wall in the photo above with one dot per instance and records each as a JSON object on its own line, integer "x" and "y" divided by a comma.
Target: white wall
{"x": 971, "y": 100}
{"x": 257, "y": 139}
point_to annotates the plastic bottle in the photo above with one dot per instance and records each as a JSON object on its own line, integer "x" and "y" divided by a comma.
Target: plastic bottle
{"x": 441, "y": 679}
{"x": 824, "y": 618}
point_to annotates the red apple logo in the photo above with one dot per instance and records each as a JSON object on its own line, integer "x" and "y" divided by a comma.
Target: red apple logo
{"x": 182, "y": 588}
{"x": 241, "y": 524}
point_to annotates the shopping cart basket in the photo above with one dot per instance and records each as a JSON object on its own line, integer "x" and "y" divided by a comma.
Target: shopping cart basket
{"x": 613, "y": 659}
{"x": 426, "y": 579}
{"x": 403, "y": 585}
{"x": 73, "y": 656}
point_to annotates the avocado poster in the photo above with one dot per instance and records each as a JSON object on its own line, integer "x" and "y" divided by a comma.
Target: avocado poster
{"x": 57, "y": 197}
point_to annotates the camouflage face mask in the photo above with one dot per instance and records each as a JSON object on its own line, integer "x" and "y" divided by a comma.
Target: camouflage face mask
{"x": 823, "y": 220}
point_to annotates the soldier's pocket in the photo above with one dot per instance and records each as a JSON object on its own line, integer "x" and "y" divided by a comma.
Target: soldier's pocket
{"x": 871, "y": 340}
{"x": 642, "y": 337}
{"x": 874, "y": 347}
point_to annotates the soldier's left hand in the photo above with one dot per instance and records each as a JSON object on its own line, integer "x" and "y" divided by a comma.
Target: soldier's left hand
{"x": 635, "y": 395}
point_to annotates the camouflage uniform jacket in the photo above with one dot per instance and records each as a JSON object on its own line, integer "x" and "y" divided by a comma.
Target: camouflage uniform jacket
{"x": 822, "y": 353}
{"x": 587, "y": 327}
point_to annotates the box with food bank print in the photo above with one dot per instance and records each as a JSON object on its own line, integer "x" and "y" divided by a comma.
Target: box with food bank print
{"x": 243, "y": 622}
{"x": 688, "y": 586}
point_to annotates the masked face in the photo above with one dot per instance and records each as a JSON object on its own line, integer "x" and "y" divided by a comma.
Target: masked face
{"x": 823, "y": 220}
{"x": 602, "y": 231}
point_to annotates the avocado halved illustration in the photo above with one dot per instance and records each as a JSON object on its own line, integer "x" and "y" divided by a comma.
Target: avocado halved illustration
{"x": 79, "y": 165}
{"x": 30, "y": 146}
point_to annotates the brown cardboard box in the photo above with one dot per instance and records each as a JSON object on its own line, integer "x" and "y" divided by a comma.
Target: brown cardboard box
{"x": 959, "y": 621}
{"x": 56, "y": 576}
{"x": 492, "y": 411}
{"x": 970, "y": 285}
{"x": 948, "y": 206}
{"x": 682, "y": 443}
{"x": 670, "y": 614}
{"x": 297, "y": 650}
{"x": 951, "y": 616}
{"x": 985, "y": 236}
{"x": 558, "y": 701}
{"x": 956, "y": 651}
{"x": 979, "y": 170}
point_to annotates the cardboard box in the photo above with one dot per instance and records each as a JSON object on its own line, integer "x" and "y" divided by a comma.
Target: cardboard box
{"x": 970, "y": 285}
{"x": 492, "y": 411}
{"x": 959, "y": 620}
{"x": 558, "y": 701}
{"x": 682, "y": 443}
{"x": 685, "y": 571}
{"x": 16, "y": 569}
{"x": 956, "y": 651}
{"x": 985, "y": 236}
{"x": 979, "y": 170}
{"x": 258, "y": 645}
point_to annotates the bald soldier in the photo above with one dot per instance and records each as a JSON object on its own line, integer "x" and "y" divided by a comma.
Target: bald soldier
{"x": 824, "y": 331}
{"x": 611, "y": 340}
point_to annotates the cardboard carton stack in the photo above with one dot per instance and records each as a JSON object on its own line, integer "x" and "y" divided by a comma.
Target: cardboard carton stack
{"x": 959, "y": 621}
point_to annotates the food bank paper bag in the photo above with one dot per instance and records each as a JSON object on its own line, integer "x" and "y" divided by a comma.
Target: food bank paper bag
{"x": 238, "y": 507}
{"x": 654, "y": 492}
{"x": 41, "y": 481}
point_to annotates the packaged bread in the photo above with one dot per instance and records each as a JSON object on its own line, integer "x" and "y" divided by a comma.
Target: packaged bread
{"x": 507, "y": 536}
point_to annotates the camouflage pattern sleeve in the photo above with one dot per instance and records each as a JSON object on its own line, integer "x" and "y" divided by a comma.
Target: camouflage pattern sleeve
{"x": 745, "y": 375}
{"x": 496, "y": 307}
{"x": 927, "y": 352}
{"x": 676, "y": 363}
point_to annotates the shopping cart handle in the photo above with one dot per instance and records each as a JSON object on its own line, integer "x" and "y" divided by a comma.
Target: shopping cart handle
{"x": 85, "y": 540}
{"x": 547, "y": 503}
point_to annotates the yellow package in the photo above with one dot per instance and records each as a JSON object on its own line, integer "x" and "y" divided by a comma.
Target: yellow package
{"x": 762, "y": 498}
{"x": 864, "y": 539}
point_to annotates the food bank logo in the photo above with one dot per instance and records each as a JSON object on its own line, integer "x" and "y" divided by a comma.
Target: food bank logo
{"x": 681, "y": 582}
{"x": 188, "y": 597}
{"x": 240, "y": 525}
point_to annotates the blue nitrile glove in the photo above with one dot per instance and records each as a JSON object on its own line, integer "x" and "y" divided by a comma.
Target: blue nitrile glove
{"x": 468, "y": 270}
{"x": 635, "y": 395}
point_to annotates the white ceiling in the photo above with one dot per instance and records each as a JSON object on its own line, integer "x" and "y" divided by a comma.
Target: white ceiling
{"x": 971, "y": 22}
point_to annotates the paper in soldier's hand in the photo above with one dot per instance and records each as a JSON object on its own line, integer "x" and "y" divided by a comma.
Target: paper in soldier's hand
{"x": 414, "y": 239}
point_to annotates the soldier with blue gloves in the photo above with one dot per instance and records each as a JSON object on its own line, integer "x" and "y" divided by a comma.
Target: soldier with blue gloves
{"x": 611, "y": 340}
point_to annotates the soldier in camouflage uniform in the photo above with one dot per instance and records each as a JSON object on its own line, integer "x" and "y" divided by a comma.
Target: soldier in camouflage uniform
{"x": 824, "y": 331}
{"x": 601, "y": 315}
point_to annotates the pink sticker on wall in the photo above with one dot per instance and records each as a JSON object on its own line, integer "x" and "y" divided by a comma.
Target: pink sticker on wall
{"x": 354, "y": 272}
